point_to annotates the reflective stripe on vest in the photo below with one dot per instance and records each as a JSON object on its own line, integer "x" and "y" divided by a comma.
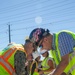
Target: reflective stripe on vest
{"x": 8, "y": 54}
{"x": 7, "y": 66}
{"x": 5, "y": 57}
{"x": 4, "y": 61}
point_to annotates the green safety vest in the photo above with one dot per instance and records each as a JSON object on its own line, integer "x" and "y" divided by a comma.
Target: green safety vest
{"x": 7, "y": 59}
{"x": 45, "y": 65}
{"x": 35, "y": 73}
{"x": 57, "y": 57}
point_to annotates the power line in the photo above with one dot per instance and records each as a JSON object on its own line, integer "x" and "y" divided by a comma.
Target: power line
{"x": 67, "y": 8}
{"x": 32, "y": 17}
{"x": 17, "y": 5}
{"x": 44, "y": 6}
{"x": 20, "y": 7}
{"x": 22, "y": 20}
{"x": 46, "y": 14}
{"x": 43, "y": 24}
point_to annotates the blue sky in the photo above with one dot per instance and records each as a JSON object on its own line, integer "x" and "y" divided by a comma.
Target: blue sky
{"x": 25, "y": 15}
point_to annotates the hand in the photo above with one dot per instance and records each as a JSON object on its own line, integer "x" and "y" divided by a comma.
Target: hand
{"x": 26, "y": 64}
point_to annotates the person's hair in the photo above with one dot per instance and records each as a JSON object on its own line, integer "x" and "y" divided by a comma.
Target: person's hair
{"x": 27, "y": 40}
{"x": 37, "y": 34}
{"x": 26, "y": 44}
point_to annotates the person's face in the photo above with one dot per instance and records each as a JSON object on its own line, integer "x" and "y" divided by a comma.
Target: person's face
{"x": 29, "y": 48}
{"x": 46, "y": 43}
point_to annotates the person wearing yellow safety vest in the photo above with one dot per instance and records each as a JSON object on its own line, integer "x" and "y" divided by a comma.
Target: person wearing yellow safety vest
{"x": 36, "y": 64}
{"x": 47, "y": 64}
{"x": 62, "y": 45}
{"x": 13, "y": 58}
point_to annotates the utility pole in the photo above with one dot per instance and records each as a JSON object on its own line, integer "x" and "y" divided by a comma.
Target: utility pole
{"x": 9, "y": 33}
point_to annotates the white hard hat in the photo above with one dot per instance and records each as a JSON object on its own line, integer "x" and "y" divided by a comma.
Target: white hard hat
{"x": 35, "y": 54}
{"x": 43, "y": 51}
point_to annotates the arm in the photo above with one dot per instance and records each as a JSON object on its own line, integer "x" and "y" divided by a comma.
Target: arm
{"x": 60, "y": 68}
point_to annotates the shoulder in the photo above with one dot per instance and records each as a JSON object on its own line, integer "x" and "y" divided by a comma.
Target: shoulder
{"x": 63, "y": 35}
{"x": 65, "y": 32}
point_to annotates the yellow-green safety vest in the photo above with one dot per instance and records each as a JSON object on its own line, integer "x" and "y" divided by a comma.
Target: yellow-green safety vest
{"x": 45, "y": 65}
{"x": 57, "y": 57}
{"x": 7, "y": 59}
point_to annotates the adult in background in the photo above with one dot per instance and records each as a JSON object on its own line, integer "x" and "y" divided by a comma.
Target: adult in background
{"x": 48, "y": 65}
{"x": 14, "y": 57}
